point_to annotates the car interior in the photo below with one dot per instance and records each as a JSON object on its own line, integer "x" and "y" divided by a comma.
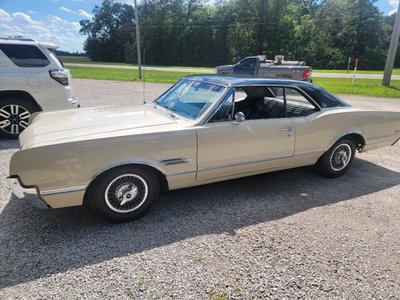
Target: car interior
{"x": 267, "y": 103}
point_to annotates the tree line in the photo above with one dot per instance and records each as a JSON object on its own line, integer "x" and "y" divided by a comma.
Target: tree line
{"x": 203, "y": 33}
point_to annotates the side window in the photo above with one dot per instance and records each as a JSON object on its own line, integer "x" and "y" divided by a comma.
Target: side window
{"x": 224, "y": 113}
{"x": 262, "y": 103}
{"x": 273, "y": 102}
{"x": 25, "y": 56}
{"x": 248, "y": 63}
{"x": 297, "y": 105}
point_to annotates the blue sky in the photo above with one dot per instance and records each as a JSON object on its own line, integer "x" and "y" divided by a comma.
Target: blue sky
{"x": 57, "y": 21}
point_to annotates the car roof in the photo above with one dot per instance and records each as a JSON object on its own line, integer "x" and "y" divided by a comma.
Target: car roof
{"x": 238, "y": 81}
{"x": 25, "y": 41}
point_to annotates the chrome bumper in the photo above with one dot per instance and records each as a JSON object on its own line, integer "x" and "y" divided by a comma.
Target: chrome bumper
{"x": 29, "y": 194}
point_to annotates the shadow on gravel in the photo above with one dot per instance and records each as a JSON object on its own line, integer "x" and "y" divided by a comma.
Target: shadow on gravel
{"x": 36, "y": 244}
{"x": 8, "y": 144}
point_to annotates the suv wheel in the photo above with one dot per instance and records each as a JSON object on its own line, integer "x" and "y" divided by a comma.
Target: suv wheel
{"x": 14, "y": 116}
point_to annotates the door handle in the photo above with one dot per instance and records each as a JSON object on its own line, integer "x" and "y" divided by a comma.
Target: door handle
{"x": 289, "y": 129}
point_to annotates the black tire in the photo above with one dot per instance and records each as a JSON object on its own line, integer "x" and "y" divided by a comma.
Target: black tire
{"x": 14, "y": 115}
{"x": 124, "y": 194}
{"x": 337, "y": 160}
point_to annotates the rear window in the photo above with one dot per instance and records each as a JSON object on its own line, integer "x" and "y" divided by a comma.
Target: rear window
{"x": 25, "y": 56}
{"x": 324, "y": 98}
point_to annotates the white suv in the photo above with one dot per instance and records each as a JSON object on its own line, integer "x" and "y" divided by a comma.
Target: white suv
{"x": 32, "y": 79}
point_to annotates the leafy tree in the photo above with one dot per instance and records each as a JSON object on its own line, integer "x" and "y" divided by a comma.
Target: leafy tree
{"x": 200, "y": 32}
{"x": 113, "y": 26}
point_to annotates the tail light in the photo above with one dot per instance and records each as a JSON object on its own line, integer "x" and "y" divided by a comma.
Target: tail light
{"x": 61, "y": 76}
{"x": 306, "y": 73}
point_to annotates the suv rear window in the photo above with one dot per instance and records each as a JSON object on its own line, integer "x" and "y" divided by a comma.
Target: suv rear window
{"x": 25, "y": 56}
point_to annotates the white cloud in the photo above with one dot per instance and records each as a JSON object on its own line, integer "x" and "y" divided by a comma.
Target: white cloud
{"x": 25, "y": 18}
{"x": 85, "y": 14}
{"x": 5, "y": 16}
{"x": 55, "y": 19}
{"x": 79, "y": 12}
{"x": 66, "y": 9}
{"x": 52, "y": 29}
{"x": 76, "y": 25}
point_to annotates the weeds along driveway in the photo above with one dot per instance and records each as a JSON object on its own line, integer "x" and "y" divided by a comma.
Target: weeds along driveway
{"x": 285, "y": 234}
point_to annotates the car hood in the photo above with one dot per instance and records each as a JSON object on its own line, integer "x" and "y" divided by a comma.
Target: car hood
{"x": 85, "y": 124}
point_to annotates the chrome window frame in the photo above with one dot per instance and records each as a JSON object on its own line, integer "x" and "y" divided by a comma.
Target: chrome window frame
{"x": 283, "y": 86}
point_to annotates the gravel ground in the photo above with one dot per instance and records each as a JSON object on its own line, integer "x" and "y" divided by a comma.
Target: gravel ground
{"x": 282, "y": 235}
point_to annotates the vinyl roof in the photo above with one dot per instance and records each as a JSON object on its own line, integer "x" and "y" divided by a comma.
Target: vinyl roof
{"x": 236, "y": 81}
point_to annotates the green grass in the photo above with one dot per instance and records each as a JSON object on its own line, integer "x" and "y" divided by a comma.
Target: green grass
{"x": 395, "y": 71}
{"x": 86, "y": 60}
{"x": 364, "y": 87}
{"x": 125, "y": 75}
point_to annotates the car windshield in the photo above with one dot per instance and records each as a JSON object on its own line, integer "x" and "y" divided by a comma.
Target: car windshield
{"x": 190, "y": 98}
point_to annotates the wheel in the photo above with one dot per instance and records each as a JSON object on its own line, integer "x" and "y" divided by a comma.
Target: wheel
{"x": 14, "y": 116}
{"x": 124, "y": 194}
{"x": 337, "y": 160}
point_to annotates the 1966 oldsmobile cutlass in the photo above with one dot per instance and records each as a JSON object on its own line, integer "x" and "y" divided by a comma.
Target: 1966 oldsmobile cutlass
{"x": 204, "y": 129}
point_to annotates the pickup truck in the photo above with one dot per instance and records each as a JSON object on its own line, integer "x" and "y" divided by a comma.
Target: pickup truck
{"x": 254, "y": 65}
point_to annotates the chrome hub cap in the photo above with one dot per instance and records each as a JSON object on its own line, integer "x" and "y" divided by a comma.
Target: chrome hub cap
{"x": 126, "y": 193}
{"x": 14, "y": 118}
{"x": 340, "y": 157}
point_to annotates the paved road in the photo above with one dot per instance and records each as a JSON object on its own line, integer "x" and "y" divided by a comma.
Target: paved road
{"x": 208, "y": 71}
{"x": 282, "y": 235}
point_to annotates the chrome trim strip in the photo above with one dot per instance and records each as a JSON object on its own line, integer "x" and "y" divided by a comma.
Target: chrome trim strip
{"x": 309, "y": 152}
{"x": 260, "y": 160}
{"x": 348, "y": 132}
{"x": 62, "y": 191}
{"x": 243, "y": 163}
{"x": 175, "y": 161}
{"x": 181, "y": 173}
{"x": 123, "y": 164}
{"x": 230, "y": 92}
{"x": 380, "y": 140}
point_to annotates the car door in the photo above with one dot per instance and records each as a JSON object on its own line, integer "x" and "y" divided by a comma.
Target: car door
{"x": 231, "y": 148}
{"x": 313, "y": 133}
{"x": 246, "y": 66}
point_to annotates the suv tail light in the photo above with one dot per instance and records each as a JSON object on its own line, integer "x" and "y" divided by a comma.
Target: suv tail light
{"x": 306, "y": 74}
{"x": 60, "y": 76}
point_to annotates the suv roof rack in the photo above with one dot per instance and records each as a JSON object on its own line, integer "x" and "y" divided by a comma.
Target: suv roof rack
{"x": 17, "y": 38}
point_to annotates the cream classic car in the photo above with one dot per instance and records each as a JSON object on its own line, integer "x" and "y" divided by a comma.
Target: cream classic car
{"x": 203, "y": 129}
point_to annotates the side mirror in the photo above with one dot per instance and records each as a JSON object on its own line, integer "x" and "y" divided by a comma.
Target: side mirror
{"x": 239, "y": 117}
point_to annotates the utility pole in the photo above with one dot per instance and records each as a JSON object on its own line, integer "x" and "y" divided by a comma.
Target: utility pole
{"x": 139, "y": 59}
{"x": 394, "y": 42}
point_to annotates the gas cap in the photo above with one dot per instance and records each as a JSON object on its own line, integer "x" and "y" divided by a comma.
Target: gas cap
{"x": 33, "y": 81}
